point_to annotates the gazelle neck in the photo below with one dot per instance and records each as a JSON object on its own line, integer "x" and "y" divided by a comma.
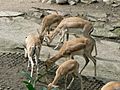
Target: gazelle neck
{"x": 87, "y": 35}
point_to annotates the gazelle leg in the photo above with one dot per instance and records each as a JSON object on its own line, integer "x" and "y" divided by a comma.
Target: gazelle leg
{"x": 67, "y": 34}
{"x": 36, "y": 62}
{"x": 87, "y": 61}
{"x": 32, "y": 65}
{"x": 94, "y": 62}
{"x": 56, "y": 46}
{"x": 66, "y": 81}
{"x": 28, "y": 66}
{"x": 95, "y": 50}
{"x": 80, "y": 77}
{"x": 73, "y": 78}
{"x": 37, "y": 58}
{"x": 61, "y": 39}
{"x": 26, "y": 54}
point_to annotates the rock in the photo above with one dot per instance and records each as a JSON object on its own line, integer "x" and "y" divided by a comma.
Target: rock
{"x": 51, "y": 1}
{"x": 85, "y": 1}
{"x": 99, "y": 24}
{"x": 102, "y": 19}
{"x": 72, "y": 2}
{"x": 100, "y": 16}
{"x": 115, "y": 5}
{"x": 103, "y": 32}
{"x": 88, "y": 1}
{"x": 116, "y": 24}
{"x": 108, "y": 27}
{"x": 77, "y": 1}
{"x": 17, "y": 29}
{"x": 10, "y": 14}
{"x": 61, "y": 1}
{"x": 91, "y": 19}
{"x": 108, "y": 1}
{"x": 113, "y": 19}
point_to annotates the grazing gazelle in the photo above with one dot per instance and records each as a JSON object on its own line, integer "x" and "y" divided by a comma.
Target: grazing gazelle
{"x": 112, "y": 85}
{"x": 77, "y": 46}
{"x": 49, "y": 20}
{"x": 33, "y": 43}
{"x": 68, "y": 67}
{"x": 71, "y": 22}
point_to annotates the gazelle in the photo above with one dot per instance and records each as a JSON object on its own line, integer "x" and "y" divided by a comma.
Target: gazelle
{"x": 77, "y": 46}
{"x": 112, "y": 85}
{"x": 33, "y": 43}
{"x": 49, "y": 20}
{"x": 71, "y": 22}
{"x": 68, "y": 67}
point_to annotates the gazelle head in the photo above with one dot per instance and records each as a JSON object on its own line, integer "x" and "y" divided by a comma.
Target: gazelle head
{"x": 47, "y": 40}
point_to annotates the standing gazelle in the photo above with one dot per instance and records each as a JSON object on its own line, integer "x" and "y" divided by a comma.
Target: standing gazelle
{"x": 113, "y": 85}
{"x": 33, "y": 43}
{"x": 77, "y": 46}
{"x": 68, "y": 67}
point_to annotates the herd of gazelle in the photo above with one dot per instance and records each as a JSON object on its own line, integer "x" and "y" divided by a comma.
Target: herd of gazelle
{"x": 82, "y": 45}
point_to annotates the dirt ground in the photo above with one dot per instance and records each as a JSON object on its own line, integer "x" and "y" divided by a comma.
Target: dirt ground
{"x": 108, "y": 58}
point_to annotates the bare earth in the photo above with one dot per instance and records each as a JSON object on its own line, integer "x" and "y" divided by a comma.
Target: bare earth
{"x": 108, "y": 58}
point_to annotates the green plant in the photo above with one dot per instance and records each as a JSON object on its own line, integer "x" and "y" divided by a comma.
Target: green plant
{"x": 30, "y": 81}
{"x": 29, "y": 85}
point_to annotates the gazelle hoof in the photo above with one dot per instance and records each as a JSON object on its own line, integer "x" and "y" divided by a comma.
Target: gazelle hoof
{"x": 67, "y": 88}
